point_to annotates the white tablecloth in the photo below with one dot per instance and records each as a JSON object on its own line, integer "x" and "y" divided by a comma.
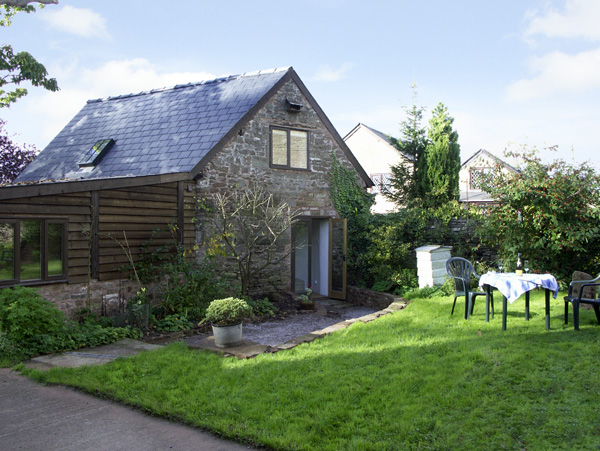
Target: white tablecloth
{"x": 513, "y": 286}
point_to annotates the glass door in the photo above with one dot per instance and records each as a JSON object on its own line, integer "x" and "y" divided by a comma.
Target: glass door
{"x": 338, "y": 229}
{"x": 302, "y": 258}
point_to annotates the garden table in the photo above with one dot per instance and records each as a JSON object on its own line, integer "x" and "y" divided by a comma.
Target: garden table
{"x": 513, "y": 286}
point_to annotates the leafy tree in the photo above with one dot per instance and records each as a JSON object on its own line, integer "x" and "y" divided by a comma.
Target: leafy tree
{"x": 394, "y": 237}
{"x": 13, "y": 159}
{"x": 442, "y": 155}
{"x": 548, "y": 212}
{"x": 407, "y": 180}
{"x": 16, "y": 68}
{"x": 26, "y": 3}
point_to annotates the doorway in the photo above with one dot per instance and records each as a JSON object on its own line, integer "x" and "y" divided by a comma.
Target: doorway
{"x": 319, "y": 256}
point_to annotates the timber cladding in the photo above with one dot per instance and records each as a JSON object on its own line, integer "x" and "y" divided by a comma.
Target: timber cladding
{"x": 130, "y": 219}
{"x": 125, "y": 220}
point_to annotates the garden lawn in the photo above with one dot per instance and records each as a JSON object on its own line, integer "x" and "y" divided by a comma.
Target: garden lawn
{"x": 415, "y": 379}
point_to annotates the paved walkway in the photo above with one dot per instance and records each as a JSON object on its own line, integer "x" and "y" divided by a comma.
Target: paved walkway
{"x": 47, "y": 418}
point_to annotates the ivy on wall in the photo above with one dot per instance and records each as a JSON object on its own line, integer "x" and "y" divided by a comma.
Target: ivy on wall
{"x": 353, "y": 203}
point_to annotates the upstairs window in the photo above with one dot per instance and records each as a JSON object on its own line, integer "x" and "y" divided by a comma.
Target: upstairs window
{"x": 479, "y": 176}
{"x": 32, "y": 250}
{"x": 382, "y": 183}
{"x": 289, "y": 148}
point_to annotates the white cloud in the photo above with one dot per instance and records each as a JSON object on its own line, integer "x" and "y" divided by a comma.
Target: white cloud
{"x": 578, "y": 20}
{"x": 327, "y": 73}
{"x": 558, "y": 73}
{"x": 78, "y": 21}
{"x": 135, "y": 75}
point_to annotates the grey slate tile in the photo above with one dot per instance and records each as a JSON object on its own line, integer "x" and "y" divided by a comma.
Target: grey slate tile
{"x": 156, "y": 132}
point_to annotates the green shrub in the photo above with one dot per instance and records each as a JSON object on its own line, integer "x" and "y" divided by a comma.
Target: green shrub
{"x": 547, "y": 212}
{"x": 261, "y": 306}
{"x": 449, "y": 286}
{"x": 185, "y": 286}
{"x": 31, "y": 325}
{"x": 174, "y": 323}
{"x": 24, "y": 314}
{"x": 10, "y": 352}
{"x": 227, "y": 311}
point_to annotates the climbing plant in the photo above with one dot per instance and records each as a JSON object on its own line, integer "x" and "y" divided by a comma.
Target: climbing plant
{"x": 353, "y": 203}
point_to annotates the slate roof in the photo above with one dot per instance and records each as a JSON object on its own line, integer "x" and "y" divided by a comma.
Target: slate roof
{"x": 163, "y": 131}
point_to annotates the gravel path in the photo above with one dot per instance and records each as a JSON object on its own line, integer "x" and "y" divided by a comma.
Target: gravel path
{"x": 276, "y": 332}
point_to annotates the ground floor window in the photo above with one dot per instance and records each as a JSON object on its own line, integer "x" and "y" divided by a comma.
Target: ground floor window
{"x": 32, "y": 250}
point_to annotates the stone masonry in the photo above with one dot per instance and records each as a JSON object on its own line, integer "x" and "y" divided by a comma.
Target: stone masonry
{"x": 72, "y": 298}
{"x": 245, "y": 161}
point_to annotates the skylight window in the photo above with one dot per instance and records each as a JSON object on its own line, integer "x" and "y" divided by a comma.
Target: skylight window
{"x": 92, "y": 157}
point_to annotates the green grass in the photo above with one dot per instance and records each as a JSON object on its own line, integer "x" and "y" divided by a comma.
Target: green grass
{"x": 415, "y": 379}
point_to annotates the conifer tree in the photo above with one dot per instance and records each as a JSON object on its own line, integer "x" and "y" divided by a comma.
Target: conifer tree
{"x": 442, "y": 160}
{"x": 407, "y": 179}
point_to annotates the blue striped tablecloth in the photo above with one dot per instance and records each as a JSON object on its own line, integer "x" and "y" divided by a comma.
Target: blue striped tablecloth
{"x": 513, "y": 286}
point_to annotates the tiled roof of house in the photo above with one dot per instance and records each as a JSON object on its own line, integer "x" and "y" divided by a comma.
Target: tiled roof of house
{"x": 163, "y": 131}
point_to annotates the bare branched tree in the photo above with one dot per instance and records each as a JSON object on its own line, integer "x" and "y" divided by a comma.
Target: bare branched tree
{"x": 248, "y": 224}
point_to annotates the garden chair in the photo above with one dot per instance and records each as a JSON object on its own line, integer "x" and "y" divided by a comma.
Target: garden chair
{"x": 582, "y": 290}
{"x": 461, "y": 270}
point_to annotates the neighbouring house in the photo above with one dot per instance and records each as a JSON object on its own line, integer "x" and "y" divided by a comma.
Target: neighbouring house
{"x": 473, "y": 171}
{"x": 126, "y": 166}
{"x": 376, "y": 154}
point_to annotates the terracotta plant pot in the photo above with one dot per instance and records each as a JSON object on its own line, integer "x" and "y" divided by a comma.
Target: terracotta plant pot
{"x": 227, "y": 336}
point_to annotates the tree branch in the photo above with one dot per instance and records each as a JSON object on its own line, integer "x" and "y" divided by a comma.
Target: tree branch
{"x": 23, "y": 3}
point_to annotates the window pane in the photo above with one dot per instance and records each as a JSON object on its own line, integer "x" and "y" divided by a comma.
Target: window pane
{"x": 55, "y": 249}
{"x": 301, "y": 260}
{"x": 7, "y": 254}
{"x": 31, "y": 256}
{"x": 299, "y": 149}
{"x": 279, "y": 147}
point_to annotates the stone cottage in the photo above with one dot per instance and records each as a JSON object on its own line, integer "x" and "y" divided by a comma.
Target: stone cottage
{"x": 128, "y": 165}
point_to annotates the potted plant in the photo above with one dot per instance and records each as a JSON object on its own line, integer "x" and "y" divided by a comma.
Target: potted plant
{"x": 306, "y": 302}
{"x": 226, "y": 316}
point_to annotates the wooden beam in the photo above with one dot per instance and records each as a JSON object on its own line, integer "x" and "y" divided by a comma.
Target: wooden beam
{"x": 95, "y": 257}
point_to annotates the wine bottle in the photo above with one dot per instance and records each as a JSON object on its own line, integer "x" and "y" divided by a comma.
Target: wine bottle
{"x": 519, "y": 269}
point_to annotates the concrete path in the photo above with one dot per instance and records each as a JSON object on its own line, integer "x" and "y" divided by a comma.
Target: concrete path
{"x": 46, "y": 418}
{"x": 99, "y": 355}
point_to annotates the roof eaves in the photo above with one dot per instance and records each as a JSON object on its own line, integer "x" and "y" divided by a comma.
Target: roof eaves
{"x": 65, "y": 186}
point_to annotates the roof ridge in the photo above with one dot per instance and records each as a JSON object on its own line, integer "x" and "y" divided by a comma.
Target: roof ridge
{"x": 191, "y": 84}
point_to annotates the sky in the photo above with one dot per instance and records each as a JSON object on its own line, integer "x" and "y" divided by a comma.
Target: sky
{"x": 512, "y": 73}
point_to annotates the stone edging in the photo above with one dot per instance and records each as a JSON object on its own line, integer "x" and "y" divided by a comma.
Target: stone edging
{"x": 249, "y": 349}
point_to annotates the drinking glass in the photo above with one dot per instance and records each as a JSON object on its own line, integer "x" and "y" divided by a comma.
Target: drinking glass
{"x": 526, "y": 267}
{"x": 500, "y": 265}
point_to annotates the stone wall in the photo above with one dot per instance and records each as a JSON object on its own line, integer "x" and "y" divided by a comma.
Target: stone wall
{"x": 466, "y": 238}
{"x": 104, "y": 296}
{"x": 368, "y": 298}
{"x": 245, "y": 160}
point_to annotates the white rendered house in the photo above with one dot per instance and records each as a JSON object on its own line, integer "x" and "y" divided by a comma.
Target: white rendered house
{"x": 376, "y": 154}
